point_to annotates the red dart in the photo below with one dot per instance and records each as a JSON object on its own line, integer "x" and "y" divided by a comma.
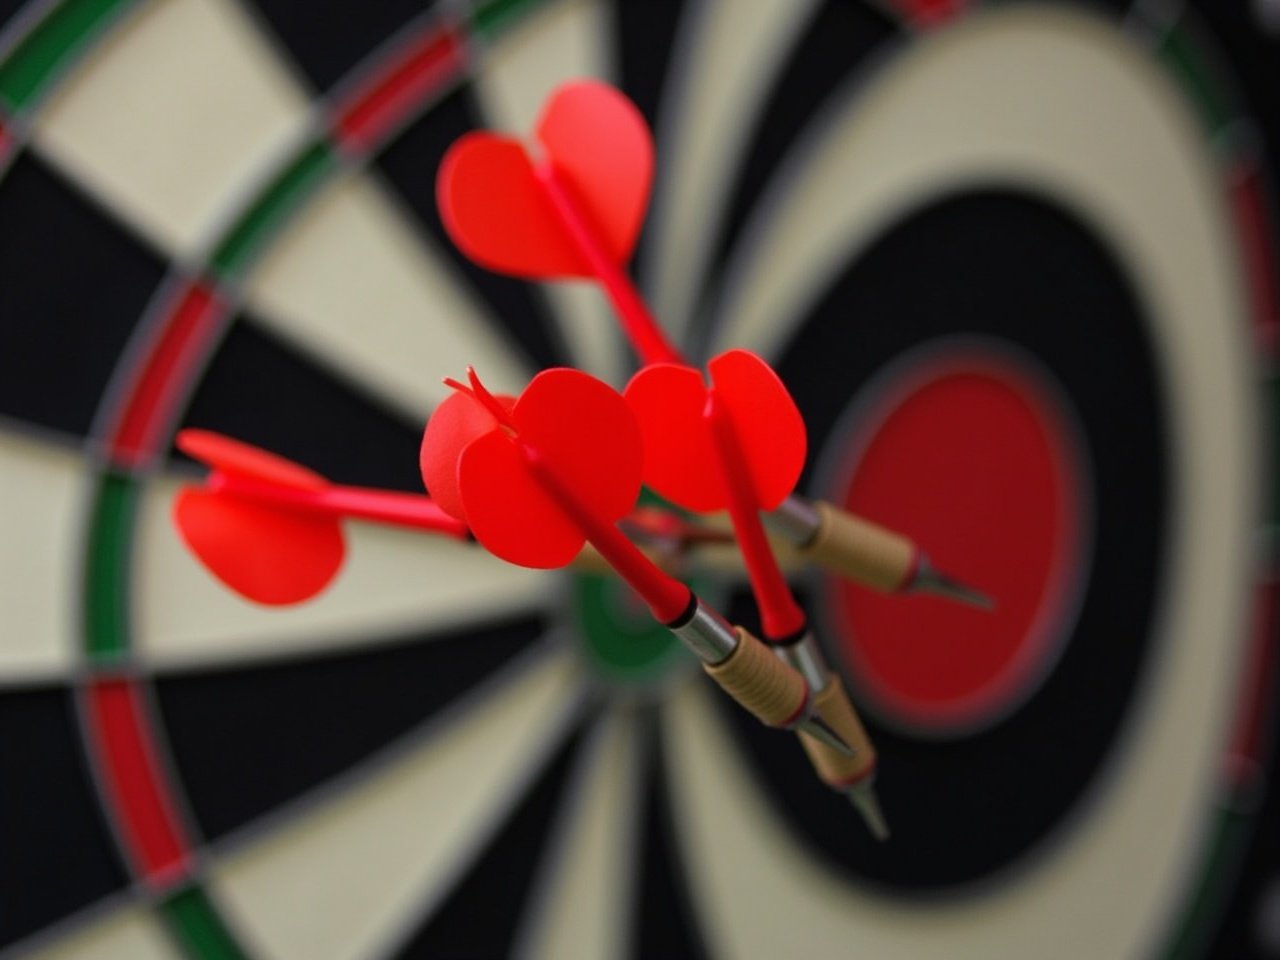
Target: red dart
{"x": 780, "y": 615}
{"x": 270, "y": 529}
{"x": 575, "y": 212}
{"x": 559, "y": 469}
{"x": 739, "y": 444}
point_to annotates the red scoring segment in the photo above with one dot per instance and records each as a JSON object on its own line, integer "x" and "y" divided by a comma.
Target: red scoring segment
{"x": 538, "y": 478}
{"x": 1011, "y": 489}
{"x": 127, "y": 759}
{"x": 424, "y": 64}
{"x": 184, "y": 335}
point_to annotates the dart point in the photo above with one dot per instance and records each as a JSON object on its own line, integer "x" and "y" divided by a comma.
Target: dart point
{"x": 863, "y": 797}
{"x": 819, "y": 729}
{"x": 928, "y": 579}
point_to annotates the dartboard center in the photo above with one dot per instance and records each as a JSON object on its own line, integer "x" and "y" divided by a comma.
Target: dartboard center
{"x": 1001, "y": 506}
{"x": 617, "y": 634}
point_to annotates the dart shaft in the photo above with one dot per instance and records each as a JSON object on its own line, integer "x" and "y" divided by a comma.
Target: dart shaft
{"x": 399, "y": 509}
{"x": 780, "y": 615}
{"x": 666, "y": 597}
{"x": 743, "y": 667}
{"x": 361, "y": 503}
{"x": 638, "y": 323}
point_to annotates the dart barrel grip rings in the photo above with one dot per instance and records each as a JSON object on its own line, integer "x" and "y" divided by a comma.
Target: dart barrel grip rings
{"x": 860, "y": 550}
{"x": 771, "y": 690}
{"x": 834, "y": 768}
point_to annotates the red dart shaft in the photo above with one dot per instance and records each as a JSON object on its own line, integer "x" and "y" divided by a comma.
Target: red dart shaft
{"x": 362, "y": 503}
{"x": 638, "y": 323}
{"x": 401, "y": 509}
{"x": 667, "y": 598}
{"x": 780, "y": 615}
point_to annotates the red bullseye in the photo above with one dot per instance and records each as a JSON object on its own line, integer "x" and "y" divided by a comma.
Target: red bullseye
{"x": 975, "y": 459}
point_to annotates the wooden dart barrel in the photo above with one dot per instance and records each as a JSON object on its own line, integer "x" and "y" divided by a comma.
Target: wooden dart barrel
{"x": 770, "y": 689}
{"x": 860, "y": 550}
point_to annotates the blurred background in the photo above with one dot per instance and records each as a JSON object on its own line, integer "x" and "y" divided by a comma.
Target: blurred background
{"x": 1016, "y": 262}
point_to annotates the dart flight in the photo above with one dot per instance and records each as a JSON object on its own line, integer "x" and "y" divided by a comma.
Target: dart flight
{"x": 271, "y": 529}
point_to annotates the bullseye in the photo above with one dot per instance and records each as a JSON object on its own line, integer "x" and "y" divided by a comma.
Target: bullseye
{"x": 1003, "y": 503}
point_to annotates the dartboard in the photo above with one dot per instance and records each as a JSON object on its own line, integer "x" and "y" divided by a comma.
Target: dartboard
{"x": 1014, "y": 262}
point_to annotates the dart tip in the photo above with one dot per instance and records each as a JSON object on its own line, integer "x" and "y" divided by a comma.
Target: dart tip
{"x": 863, "y": 797}
{"x": 931, "y": 580}
{"x": 819, "y": 729}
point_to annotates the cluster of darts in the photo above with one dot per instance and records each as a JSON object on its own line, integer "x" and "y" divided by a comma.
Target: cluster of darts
{"x": 552, "y": 478}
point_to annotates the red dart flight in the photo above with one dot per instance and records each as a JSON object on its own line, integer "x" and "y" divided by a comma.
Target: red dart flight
{"x": 271, "y": 529}
{"x": 681, "y": 459}
{"x": 494, "y": 199}
{"x": 476, "y": 454}
{"x": 575, "y": 211}
{"x": 273, "y": 556}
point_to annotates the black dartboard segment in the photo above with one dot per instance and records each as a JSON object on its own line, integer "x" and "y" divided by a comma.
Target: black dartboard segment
{"x": 57, "y": 853}
{"x": 75, "y": 284}
{"x": 505, "y": 872}
{"x": 643, "y": 37}
{"x": 261, "y": 389}
{"x": 840, "y": 39}
{"x": 328, "y": 39}
{"x": 517, "y": 307}
{"x": 666, "y": 923}
{"x": 247, "y": 740}
{"x": 8, "y": 9}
